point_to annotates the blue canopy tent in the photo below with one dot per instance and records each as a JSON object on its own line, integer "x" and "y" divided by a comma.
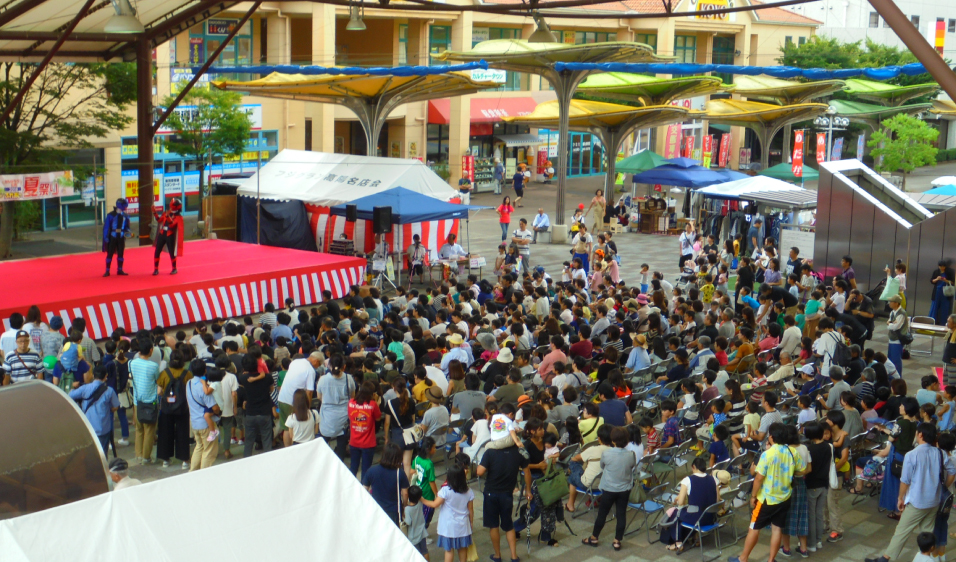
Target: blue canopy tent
{"x": 943, "y": 190}
{"x": 408, "y": 207}
{"x": 681, "y": 175}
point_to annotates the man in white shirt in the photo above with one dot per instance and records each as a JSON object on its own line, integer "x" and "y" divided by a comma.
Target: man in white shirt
{"x": 825, "y": 344}
{"x": 790, "y": 342}
{"x": 522, "y": 237}
{"x": 301, "y": 374}
{"x": 441, "y": 326}
{"x": 686, "y": 244}
{"x": 455, "y": 352}
{"x": 8, "y": 340}
{"x": 541, "y": 223}
{"x": 458, "y": 321}
{"x": 451, "y": 249}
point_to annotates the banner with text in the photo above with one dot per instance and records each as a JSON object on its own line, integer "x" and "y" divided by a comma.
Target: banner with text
{"x": 30, "y": 187}
{"x": 821, "y": 147}
{"x": 708, "y": 146}
{"x": 672, "y": 142}
{"x": 724, "y": 150}
{"x": 797, "y": 166}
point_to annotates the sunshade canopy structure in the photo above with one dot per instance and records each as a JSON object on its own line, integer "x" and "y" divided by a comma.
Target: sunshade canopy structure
{"x": 783, "y": 92}
{"x": 640, "y": 162}
{"x": 943, "y": 180}
{"x": 872, "y": 115}
{"x": 942, "y": 190}
{"x": 784, "y": 172}
{"x": 407, "y": 207}
{"x": 944, "y": 107}
{"x": 371, "y": 97}
{"x": 763, "y": 118}
{"x": 540, "y": 58}
{"x": 888, "y": 94}
{"x": 765, "y": 190}
{"x": 690, "y": 177}
{"x": 650, "y": 90}
{"x": 611, "y": 122}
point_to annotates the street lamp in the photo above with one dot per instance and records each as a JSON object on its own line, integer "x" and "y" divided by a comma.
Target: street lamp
{"x": 829, "y": 123}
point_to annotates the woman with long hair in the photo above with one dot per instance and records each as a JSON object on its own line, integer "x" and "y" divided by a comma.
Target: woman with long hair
{"x": 35, "y": 326}
{"x": 456, "y": 378}
{"x": 399, "y": 415}
{"x": 598, "y": 203}
{"x": 534, "y": 431}
{"x": 335, "y": 389}
{"x": 455, "y": 521}
{"x": 172, "y": 435}
{"x": 303, "y": 423}
{"x": 387, "y": 482}
{"x": 504, "y": 216}
{"x": 736, "y": 405}
{"x": 942, "y": 306}
{"x": 363, "y": 413}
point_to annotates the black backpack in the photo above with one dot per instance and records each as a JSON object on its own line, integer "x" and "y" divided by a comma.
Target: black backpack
{"x": 841, "y": 352}
{"x": 174, "y": 397}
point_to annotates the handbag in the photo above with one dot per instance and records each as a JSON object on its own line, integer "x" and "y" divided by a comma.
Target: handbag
{"x": 411, "y": 435}
{"x": 945, "y": 504}
{"x": 896, "y": 468}
{"x": 147, "y": 412}
{"x": 553, "y": 486}
{"x": 834, "y": 480}
{"x": 949, "y": 290}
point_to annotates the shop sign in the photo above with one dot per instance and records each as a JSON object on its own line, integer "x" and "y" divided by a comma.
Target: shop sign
{"x": 837, "y": 153}
{"x": 468, "y": 168}
{"x": 708, "y": 147}
{"x": 479, "y": 34}
{"x": 672, "y": 141}
{"x": 797, "y": 166}
{"x": 179, "y": 77}
{"x": 489, "y": 75}
{"x": 195, "y": 50}
{"x": 396, "y": 149}
{"x": 688, "y": 147}
{"x": 254, "y": 111}
{"x": 29, "y": 187}
{"x": 745, "y": 154}
{"x": 569, "y": 38}
{"x": 860, "y": 144}
{"x": 173, "y": 183}
{"x": 220, "y": 27}
{"x": 707, "y": 5}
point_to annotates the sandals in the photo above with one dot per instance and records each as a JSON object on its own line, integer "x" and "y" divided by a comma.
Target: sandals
{"x": 568, "y": 508}
{"x": 674, "y": 547}
{"x": 616, "y": 544}
{"x": 893, "y": 515}
{"x": 853, "y": 492}
{"x": 589, "y": 541}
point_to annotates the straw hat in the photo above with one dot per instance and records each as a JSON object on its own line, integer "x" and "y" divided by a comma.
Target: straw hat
{"x": 505, "y": 356}
{"x": 434, "y": 395}
{"x": 523, "y": 399}
{"x": 454, "y": 339}
{"x": 640, "y": 340}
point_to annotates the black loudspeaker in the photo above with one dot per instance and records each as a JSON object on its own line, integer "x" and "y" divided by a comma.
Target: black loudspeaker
{"x": 381, "y": 220}
{"x": 351, "y": 213}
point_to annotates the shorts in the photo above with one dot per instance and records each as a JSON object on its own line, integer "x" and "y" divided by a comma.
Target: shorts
{"x": 519, "y": 191}
{"x": 416, "y": 269}
{"x": 422, "y": 546}
{"x": 775, "y": 515}
{"x": 496, "y": 511}
{"x": 576, "y": 471}
{"x": 750, "y": 445}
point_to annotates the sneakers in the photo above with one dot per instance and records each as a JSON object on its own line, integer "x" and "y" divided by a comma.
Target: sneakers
{"x": 165, "y": 464}
{"x": 811, "y": 548}
{"x": 819, "y": 545}
{"x": 233, "y": 442}
{"x": 785, "y": 552}
{"x": 122, "y": 443}
{"x": 804, "y": 553}
{"x": 240, "y": 442}
{"x": 213, "y": 435}
{"x": 185, "y": 466}
{"x": 835, "y": 537}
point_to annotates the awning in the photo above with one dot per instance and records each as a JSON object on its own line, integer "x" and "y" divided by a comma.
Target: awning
{"x": 766, "y": 190}
{"x": 520, "y": 140}
{"x": 483, "y": 110}
{"x": 935, "y": 202}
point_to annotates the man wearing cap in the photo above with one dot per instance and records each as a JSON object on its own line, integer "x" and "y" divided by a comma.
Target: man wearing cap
{"x": 455, "y": 352}
{"x": 98, "y": 402}
{"x": 498, "y": 366}
{"x": 541, "y": 223}
{"x": 638, "y": 358}
{"x": 115, "y": 230}
{"x": 119, "y": 474}
{"x": 21, "y": 364}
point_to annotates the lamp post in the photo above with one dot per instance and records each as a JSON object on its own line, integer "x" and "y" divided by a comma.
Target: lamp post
{"x": 829, "y": 123}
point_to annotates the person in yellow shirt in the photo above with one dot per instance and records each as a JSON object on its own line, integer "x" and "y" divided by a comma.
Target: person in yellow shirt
{"x": 591, "y": 420}
{"x": 422, "y": 384}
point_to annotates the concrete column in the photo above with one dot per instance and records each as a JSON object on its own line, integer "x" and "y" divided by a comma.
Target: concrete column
{"x": 736, "y": 143}
{"x": 279, "y": 49}
{"x": 665, "y": 37}
{"x": 163, "y": 79}
{"x": 459, "y": 129}
{"x": 144, "y": 137}
{"x": 323, "y": 53}
{"x": 417, "y": 43}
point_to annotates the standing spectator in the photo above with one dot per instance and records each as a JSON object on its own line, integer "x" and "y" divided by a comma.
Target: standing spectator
{"x": 8, "y": 340}
{"x": 522, "y": 238}
{"x": 898, "y": 326}
{"x": 256, "y": 400}
{"x": 299, "y": 375}
{"x": 98, "y": 402}
{"x": 949, "y": 351}
{"x": 848, "y": 274}
{"x": 504, "y": 215}
{"x": 464, "y": 190}
{"x": 500, "y": 468}
{"x": 303, "y": 423}
{"x": 817, "y": 482}
{"x": 144, "y": 373}
{"x": 598, "y": 203}
{"x": 773, "y": 483}
{"x": 35, "y": 326}
{"x": 200, "y": 403}
{"x": 229, "y": 386}
{"x": 499, "y": 176}
{"x": 363, "y": 414}
{"x": 51, "y": 342}
{"x": 919, "y": 490}
{"x": 942, "y": 305}
{"x": 335, "y": 389}
{"x": 518, "y": 181}
{"x": 541, "y": 223}
{"x": 119, "y": 474}
{"x": 617, "y": 480}
{"x": 387, "y": 482}
{"x": 754, "y": 240}
{"x": 400, "y": 415}
{"x": 456, "y": 520}
{"x": 172, "y": 438}
{"x": 686, "y": 245}
{"x": 22, "y": 364}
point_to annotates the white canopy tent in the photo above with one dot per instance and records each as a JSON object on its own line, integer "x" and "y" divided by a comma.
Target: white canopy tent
{"x": 763, "y": 189}
{"x": 294, "y": 502}
{"x": 323, "y": 179}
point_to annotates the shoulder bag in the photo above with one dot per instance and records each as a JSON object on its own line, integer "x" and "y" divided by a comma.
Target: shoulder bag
{"x": 411, "y": 435}
{"x": 834, "y": 480}
{"x": 553, "y": 486}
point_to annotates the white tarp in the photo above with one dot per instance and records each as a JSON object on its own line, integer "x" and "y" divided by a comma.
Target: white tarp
{"x": 746, "y": 186}
{"x": 324, "y": 179}
{"x": 296, "y": 503}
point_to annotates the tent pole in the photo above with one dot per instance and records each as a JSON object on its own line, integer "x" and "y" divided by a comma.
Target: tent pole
{"x": 399, "y": 247}
{"x": 258, "y": 197}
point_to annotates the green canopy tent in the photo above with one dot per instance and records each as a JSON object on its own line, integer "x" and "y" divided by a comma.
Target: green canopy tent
{"x": 888, "y": 94}
{"x": 873, "y": 115}
{"x": 641, "y": 162}
{"x": 784, "y": 172}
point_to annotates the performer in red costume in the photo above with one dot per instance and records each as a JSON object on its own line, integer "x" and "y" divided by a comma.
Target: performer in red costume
{"x": 169, "y": 234}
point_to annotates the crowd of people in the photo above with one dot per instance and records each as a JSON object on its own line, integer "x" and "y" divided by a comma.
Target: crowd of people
{"x": 585, "y": 379}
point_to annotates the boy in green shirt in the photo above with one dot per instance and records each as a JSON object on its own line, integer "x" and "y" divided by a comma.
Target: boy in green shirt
{"x": 423, "y": 474}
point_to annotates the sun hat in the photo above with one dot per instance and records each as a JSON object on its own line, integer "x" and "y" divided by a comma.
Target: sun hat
{"x": 505, "y": 356}
{"x": 454, "y": 339}
{"x": 434, "y": 395}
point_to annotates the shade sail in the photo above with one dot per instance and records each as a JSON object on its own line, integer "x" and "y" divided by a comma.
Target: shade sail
{"x": 888, "y": 94}
{"x": 783, "y": 92}
{"x": 587, "y": 114}
{"x": 872, "y": 114}
{"x": 692, "y": 177}
{"x": 650, "y": 90}
{"x": 944, "y": 107}
{"x": 784, "y": 172}
{"x": 763, "y": 189}
{"x": 324, "y": 179}
{"x": 641, "y": 162}
{"x": 942, "y": 190}
{"x": 483, "y": 110}
{"x": 521, "y": 56}
{"x": 145, "y": 523}
{"x": 943, "y": 180}
{"x": 407, "y": 207}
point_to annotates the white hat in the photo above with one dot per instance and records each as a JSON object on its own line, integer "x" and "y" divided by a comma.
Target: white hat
{"x": 808, "y": 369}
{"x": 505, "y": 356}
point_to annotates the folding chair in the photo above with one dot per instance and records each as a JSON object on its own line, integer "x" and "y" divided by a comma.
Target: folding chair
{"x": 592, "y": 493}
{"x": 564, "y": 458}
{"x": 652, "y": 505}
{"x": 737, "y": 500}
{"x": 704, "y": 530}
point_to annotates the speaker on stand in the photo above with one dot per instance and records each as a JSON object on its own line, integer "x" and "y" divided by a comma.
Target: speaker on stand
{"x": 381, "y": 220}
{"x": 351, "y": 213}
{"x": 381, "y": 225}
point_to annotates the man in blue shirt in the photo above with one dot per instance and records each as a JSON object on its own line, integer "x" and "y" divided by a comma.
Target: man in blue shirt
{"x": 282, "y": 328}
{"x": 144, "y": 373}
{"x": 518, "y": 180}
{"x": 613, "y": 410}
{"x": 541, "y": 223}
{"x": 98, "y": 401}
{"x": 199, "y": 403}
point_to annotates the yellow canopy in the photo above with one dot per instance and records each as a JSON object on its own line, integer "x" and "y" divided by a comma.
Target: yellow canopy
{"x": 783, "y": 92}
{"x": 520, "y": 56}
{"x": 944, "y": 107}
{"x": 650, "y": 90}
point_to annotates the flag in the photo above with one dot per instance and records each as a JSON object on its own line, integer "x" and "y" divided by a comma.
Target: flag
{"x": 821, "y": 147}
{"x": 837, "y": 152}
{"x": 797, "y": 166}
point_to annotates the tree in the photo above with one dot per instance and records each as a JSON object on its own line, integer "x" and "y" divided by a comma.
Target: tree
{"x": 821, "y": 52}
{"x": 217, "y": 126}
{"x": 904, "y": 143}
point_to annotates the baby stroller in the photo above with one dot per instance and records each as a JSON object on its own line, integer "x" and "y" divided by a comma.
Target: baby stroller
{"x": 687, "y": 278}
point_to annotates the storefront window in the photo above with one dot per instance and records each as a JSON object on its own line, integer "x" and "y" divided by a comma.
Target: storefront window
{"x": 237, "y": 53}
{"x": 685, "y": 48}
{"x": 439, "y": 41}
{"x": 724, "y": 54}
{"x": 437, "y": 143}
{"x": 403, "y": 44}
{"x": 583, "y": 37}
{"x": 649, "y": 39}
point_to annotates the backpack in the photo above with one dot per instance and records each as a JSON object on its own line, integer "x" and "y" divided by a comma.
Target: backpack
{"x": 70, "y": 358}
{"x": 841, "y": 353}
{"x": 174, "y": 396}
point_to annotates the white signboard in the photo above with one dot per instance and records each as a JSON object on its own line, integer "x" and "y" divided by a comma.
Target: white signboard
{"x": 489, "y": 75}
{"x": 479, "y": 34}
{"x": 173, "y": 183}
{"x": 790, "y": 237}
{"x": 254, "y": 111}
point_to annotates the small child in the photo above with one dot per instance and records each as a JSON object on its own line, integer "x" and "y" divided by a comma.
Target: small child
{"x": 454, "y": 521}
{"x": 504, "y": 430}
{"x": 198, "y": 369}
{"x": 869, "y": 416}
{"x": 647, "y": 428}
{"x": 801, "y": 317}
{"x": 945, "y": 411}
{"x": 758, "y": 380}
{"x": 415, "y": 520}
{"x": 793, "y": 285}
{"x": 423, "y": 474}
{"x": 927, "y": 413}
{"x": 807, "y": 414}
{"x": 707, "y": 289}
{"x": 751, "y": 425}
{"x": 718, "y": 449}
{"x": 946, "y": 443}
{"x": 500, "y": 260}
{"x": 645, "y": 278}
{"x": 927, "y": 548}
{"x": 551, "y": 450}
{"x": 722, "y": 277}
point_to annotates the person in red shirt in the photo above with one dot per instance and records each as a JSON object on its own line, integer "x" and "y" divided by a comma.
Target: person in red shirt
{"x": 169, "y": 234}
{"x": 582, "y": 347}
{"x": 363, "y": 413}
{"x": 721, "y": 344}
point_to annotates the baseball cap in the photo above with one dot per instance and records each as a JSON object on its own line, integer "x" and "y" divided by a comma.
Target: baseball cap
{"x": 808, "y": 369}
{"x": 56, "y": 323}
{"x": 118, "y": 465}
{"x": 22, "y": 334}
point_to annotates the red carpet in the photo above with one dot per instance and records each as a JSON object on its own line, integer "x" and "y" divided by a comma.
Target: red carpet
{"x": 216, "y": 279}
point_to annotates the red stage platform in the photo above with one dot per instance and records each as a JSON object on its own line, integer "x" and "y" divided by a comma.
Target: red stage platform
{"x": 216, "y": 279}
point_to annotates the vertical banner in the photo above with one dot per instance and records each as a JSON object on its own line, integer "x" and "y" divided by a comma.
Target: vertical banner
{"x": 707, "y": 148}
{"x": 860, "y": 146}
{"x": 672, "y": 141}
{"x": 837, "y": 152}
{"x": 940, "y": 35}
{"x": 797, "y": 165}
{"x": 724, "y": 150}
{"x": 195, "y": 51}
{"x": 468, "y": 168}
{"x": 821, "y": 147}
{"x": 688, "y": 147}
{"x": 745, "y": 154}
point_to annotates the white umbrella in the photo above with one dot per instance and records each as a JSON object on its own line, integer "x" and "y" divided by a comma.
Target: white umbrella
{"x": 945, "y": 180}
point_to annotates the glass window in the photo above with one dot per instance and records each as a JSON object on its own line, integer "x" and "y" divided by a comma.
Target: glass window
{"x": 685, "y": 48}
{"x": 951, "y": 26}
{"x": 585, "y": 37}
{"x": 801, "y": 41}
{"x": 915, "y": 20}
{"x": 874, "y": 19}
{"x": 439, "y": 41}
{"x": 647, "y": 38}
{"x": 437, "y": 143}
{"x": 788, "y": 40}
{"x": 403, "y": 44}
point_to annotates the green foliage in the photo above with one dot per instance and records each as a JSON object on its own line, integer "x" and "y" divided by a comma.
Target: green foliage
{"x": 26, "y": 217}
{"x": 821, "y": 52}
{"x": 905, "y": 143}
{"x": 217, "y": 126}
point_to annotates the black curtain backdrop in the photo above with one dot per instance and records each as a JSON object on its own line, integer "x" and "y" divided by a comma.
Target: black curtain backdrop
{"x": 284, "y": 224}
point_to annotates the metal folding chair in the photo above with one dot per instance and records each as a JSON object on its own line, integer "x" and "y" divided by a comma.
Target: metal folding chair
{"x": 651, "y": 506}
{"x": 704, "y": 530}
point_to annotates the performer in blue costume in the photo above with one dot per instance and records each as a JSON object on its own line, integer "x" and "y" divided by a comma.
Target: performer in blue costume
{"x": 115, "y": 231}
